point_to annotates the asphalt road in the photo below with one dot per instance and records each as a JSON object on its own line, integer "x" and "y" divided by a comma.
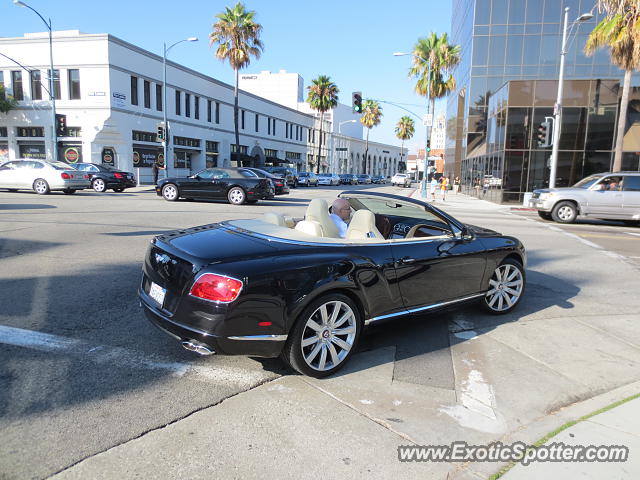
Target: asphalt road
{"x": 98, "y": 374}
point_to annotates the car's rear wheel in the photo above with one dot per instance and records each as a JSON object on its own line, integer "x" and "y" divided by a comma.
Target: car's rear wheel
{"x": 506, "y": 287}
{"x": 99, "y": 185}
{"x": 236, "y": 196}
{"x": 170, "y": 192}
{"x": 544, "y": 215}
{"x": 118, "y": 190}
{"x": 41, "y": 187}
{"x": 564, "y": 212}
{"x": 324, "y": 336}
{"x": 69, "y": 191}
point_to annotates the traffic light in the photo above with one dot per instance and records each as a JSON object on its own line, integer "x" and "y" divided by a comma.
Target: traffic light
{"x": 61, "y": 125}
{"x": 161, "y": 132}
{"x": 544, "y": 133}
{"x": 356, "y": 102}
{"x": 428, "y": 145}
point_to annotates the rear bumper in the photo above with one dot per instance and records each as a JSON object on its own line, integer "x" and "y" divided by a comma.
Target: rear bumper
{"x": 124, "y": 183}
{"x": 70, "y": 184}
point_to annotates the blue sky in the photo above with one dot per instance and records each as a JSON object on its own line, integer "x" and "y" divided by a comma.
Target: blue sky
{"x": 352, "y": 41}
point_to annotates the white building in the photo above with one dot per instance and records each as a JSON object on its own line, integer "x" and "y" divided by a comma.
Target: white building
{"x": 438, "y": 133}
{"x": 111, "y": 93}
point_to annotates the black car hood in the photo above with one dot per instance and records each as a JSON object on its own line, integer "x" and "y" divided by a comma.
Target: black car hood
{"x": 481, "y": 231}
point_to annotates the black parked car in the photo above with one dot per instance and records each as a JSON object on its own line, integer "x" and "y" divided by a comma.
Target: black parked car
{"x": 348, "y": 179}
{"x": 279, "y": 183}
{"x": 288, "y": 173}
{"x": 105, "y": 176}
{"x": 378, "y": 179}
{"x": 260, "y": 287}
{"x": 236, "y": 185}
{"x": 364, "y": 178}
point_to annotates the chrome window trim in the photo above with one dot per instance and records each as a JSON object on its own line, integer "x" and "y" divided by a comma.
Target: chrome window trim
{"x": 274, "y": 338}
{"x": 423, "y": 308}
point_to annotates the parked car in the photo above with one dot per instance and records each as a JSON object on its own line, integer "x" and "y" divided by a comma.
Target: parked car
{"x": 42, "y": 177}
{"x": 279, "y": 183}
{"x": 308, "y": 179}
{"x": 609, "y": 196}
{"x": 364, "y": 179}
{"x": 328, "y": 179}
{"x": 378, "y": 179}
{"x": 288, "y": 173}
{"x": 348, "y": 179}
{"x": 262, "y": 288}
{"x": 104, "y": 176}
{"x": 232, "y": 184}
{"x": 401, "y": 180}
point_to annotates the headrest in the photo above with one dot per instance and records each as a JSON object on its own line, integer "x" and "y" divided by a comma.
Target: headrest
{"x": 363, "y": 225}
{"x": 318, "y": 211}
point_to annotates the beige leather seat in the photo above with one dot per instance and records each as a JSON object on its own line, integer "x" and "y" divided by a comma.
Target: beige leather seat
{"x": 363, "y": 225}
{"x": 309, "y": 227}
{"x": 318, "y": 211}
{"x": 274, "y": 218}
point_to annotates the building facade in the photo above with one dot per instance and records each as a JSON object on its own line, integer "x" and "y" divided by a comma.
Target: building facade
{"x": 519, "y": 40}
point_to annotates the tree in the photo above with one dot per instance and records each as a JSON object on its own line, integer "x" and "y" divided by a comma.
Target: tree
{"x": 323, "y": 96}
{"x": 371, "y": 116}
{"x": 237, "y": 37}
{"x": 405, "y": 128}
{"x": 7, "y": 102}
{"x": 619, "y": 31}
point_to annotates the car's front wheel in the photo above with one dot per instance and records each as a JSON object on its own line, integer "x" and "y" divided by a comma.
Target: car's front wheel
{"x": 99, "y": 185}
{"x": 41, "y": 187}
{"x": 324, "y": 336}
{"x": 236, "y": 196}
{"x": 564, "y": 212}
{"x": 170, "y": 192}
{"x": 506, "y": 287}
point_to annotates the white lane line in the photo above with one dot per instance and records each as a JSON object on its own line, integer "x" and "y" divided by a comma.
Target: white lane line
{"x": 122, "y": 357}
{"x": 633, "y": 233}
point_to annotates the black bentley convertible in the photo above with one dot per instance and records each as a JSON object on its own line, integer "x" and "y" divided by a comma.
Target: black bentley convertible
{"x": 281, "y": 286}
{"x": 235, "y": 185}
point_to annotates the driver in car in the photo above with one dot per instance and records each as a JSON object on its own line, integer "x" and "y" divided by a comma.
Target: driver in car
{"x": 341, "y": 214}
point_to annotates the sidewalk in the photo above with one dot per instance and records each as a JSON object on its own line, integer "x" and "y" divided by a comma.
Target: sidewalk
{"x": 459, "y": 200}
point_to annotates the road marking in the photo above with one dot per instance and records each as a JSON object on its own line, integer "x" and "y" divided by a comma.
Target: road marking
{"x": 633, "y": 233}
{"x": 122, "y": 357}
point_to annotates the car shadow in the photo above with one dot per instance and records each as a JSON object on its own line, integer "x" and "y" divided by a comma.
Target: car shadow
{"x": 11, "y": 248}
{"x": 24, "y": 206}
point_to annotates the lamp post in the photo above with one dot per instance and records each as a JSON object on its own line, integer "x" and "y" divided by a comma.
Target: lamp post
{"x": 52, "y": 96}
{"x": 423, "y": 188}
{"x": 167, "y": 136}
{"x": 557, "y": 122}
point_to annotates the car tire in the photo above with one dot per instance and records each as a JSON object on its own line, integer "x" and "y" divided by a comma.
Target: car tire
{"x": 69, "y": 191}
{"x": 99, "y": 185}
{"x": 236, "y": 196}
{"x": 631, "y": 223}
{"x": 324, "y": 352}
{"x": 544, "y": 215}
{"x": 12, "y": 189}
{"x": 41, "y": 187}
{"x": 506, "y": 287}
{"x": 170, "y": 192}
{"x": 118, "y": 190}
{"x": 564, "y": 212}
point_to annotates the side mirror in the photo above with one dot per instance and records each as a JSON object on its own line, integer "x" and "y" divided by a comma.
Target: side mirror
{"x": 467, "y": 235}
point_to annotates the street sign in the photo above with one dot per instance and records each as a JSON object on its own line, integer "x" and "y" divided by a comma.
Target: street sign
{"x": 427, "y": 120}
{"x": 341, "y": 149}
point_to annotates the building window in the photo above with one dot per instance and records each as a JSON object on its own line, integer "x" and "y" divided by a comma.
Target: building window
{"x": 30, "y": 131}
{"x": 56, "y": 83}
{"x": 211, "y": 157}
{"x": 217, "y": 112}
{"x": 16, "y": 84}
{"x": 257, "y": 122}
{"x": 147, "y": 94}
{"x": 268, "y": 126}
{"x": 178, "y": 102}
{"x": 36, "y": 85}
{"x": 274, "y": 126}
{"x": 3, "y": 130}
{"x": 243, "y": 148}
{"x": 182, "y": 160}
{"x": 74, "y": 84}
{"x": 159, "y": 97}
{"x": 134, "y": 90}
{"x": 269, "y": 152}
{"x": 187, "y": 105}
{"x": 209, "y": 111}
{"x": 187, "y": 142}
{"x": 196, "y": 107}
{"x": 242, "y": 119}
{"x": 138, "y": 136}
{"x": 73, "y": 132}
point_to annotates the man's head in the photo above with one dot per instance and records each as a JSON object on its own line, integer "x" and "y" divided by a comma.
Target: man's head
{"x": 342, "y": 208}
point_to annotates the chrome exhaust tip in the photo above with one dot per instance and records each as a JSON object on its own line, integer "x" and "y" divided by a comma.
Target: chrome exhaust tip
{"x": 197, "y": 348}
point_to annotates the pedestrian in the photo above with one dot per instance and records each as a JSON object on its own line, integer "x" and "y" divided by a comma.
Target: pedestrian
{"x": 155, "y": 168}
{"x": 456, "y": 185}
{"x": 444, "y": 184}
{"x": 433, "y": 185}
{"x": 485, "y": 186}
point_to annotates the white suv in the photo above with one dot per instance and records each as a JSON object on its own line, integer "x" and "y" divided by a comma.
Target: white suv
{"x": 401, "y": 180}
{"x": 611, "y": 196}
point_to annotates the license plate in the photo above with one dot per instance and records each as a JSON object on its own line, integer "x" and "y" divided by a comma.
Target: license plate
{"x": 157, "y": 293}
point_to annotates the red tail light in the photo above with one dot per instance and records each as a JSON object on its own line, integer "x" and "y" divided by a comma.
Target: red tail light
{"x": 216, "y": 288}
{"x": 65, "y": 175}
{"x": 118, "y": 175}
{"x": 87, "y": 176}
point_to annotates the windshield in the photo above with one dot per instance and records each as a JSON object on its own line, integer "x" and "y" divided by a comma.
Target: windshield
{"x": 395, "y": 208}
{"x": 587, "y": 182}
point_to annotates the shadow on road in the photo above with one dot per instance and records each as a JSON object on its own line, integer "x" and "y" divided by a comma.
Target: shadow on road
{"x": 24, "y": 206}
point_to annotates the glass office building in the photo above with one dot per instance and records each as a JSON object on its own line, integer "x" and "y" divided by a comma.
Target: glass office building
{"x": 512, "y": 47}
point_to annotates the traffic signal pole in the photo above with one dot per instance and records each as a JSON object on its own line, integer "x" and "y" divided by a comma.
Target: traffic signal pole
{"x": 558, "y": 106}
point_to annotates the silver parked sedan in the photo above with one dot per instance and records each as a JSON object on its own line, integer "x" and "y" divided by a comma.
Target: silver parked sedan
{"x": 42, "y": 177}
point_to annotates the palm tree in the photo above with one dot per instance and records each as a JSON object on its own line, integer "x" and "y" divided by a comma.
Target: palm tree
{"x": 237, "y": 37}
{"x": 405, "y": 128}
{"x": 619, "y": 31}
{"x": 443, "y": 57}
{"x": 7, "y": 102}
{"x": 371, "y": 116}
{"x": 323, "y": 96}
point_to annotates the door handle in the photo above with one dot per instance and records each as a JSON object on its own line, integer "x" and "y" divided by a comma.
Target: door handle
{"x": 406, "y": 260}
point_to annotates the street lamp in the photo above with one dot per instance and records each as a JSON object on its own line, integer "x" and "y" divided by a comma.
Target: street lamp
{"x": 167, "y": 136}
{"x": 342, "y": 123}
{"x": 558, "y": 106}
{"x": 423, "y": 189}
{"x": 51, "y": 74}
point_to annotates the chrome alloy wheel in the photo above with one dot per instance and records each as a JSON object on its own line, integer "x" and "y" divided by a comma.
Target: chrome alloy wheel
{"x": 41, "y": 186}
{"x": 99, "y": 185}
{"x": 505, "y": 287}
{"x": 328, "y": 335}
{"x": 565, "y": 213}
{"x": 236, "y": 196}
{"x": 170, "y": 192}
